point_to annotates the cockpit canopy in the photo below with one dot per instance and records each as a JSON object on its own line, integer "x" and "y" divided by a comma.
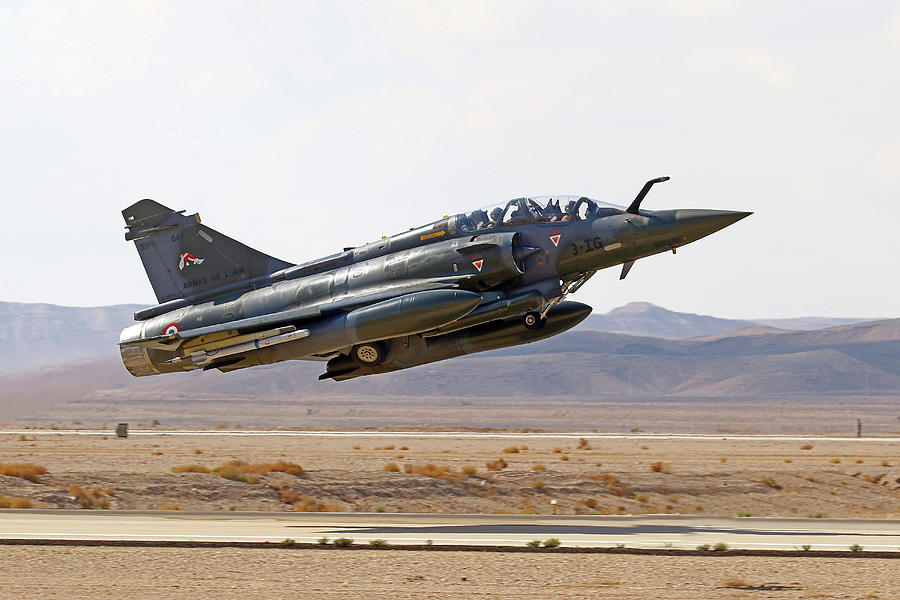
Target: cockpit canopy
{"x": 536, "y": 209}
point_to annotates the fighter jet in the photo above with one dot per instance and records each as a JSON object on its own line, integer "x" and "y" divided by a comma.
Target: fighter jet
{"x": 494, "y": 277}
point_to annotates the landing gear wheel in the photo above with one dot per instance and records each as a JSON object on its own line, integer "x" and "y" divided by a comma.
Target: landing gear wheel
{"x": 533, "y": 320}
{"x": 368, "y": 354}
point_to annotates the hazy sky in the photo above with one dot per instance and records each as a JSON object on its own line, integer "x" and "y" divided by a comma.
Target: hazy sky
{"x": 303, "y": 127}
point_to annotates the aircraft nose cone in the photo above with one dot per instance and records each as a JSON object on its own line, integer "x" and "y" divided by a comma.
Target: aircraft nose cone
{"x": 705, "y": 222}
{"x": 686, "y": 225}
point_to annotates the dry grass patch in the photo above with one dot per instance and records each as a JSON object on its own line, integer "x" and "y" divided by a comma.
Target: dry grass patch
{"x": 391, "y": 468}
{"x": 538, "y": 468}
{"x": 430, "y": 470}
{"x": 612, "y": 483}
{"x": 661, "y": 467}
{"x": 169, "y": 506}
{"x": 539, "y": 485}
{"x": 468, "y": 470}
{"x": 806, "y": 447}
{"x": 239, "y": 470}
{"x": 303, "y": 502}
{"x": 191, "y": 469}
{"x": 583, "y": 444}
{"x": 735, "y": 582}
{"x": 391, "y": 447}
{"x": 511, "y": 450}
{"x": 497, "y": 465}
{"x": 564, "y": 457}
{"x": 92, "y": 498}
{"x": 770, "y": 481}
{"x": 14, "y": 502}
{"x": 24, "y": 470}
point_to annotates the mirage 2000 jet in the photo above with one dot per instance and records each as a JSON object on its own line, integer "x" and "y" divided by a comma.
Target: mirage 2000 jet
{"x": 475, "y": 281}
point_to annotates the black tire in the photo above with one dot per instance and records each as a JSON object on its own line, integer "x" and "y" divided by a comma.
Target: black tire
{"x": 533, "y": 320}
{"x": 368, "y": 354}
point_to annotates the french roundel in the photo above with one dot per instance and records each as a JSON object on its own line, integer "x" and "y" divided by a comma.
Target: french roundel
{"x": 172, "y": 328}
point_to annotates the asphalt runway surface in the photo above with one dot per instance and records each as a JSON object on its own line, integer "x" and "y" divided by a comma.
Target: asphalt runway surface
{"x": 646, "y": 531}
{"x": 447, "y": 434}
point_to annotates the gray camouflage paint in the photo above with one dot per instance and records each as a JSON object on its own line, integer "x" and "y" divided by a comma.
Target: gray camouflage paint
{"x": 427, "y": 294}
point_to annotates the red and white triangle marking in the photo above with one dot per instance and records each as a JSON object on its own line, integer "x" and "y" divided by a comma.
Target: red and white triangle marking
{"x": 555, "y": 239}
{"x": 478, "y": 264}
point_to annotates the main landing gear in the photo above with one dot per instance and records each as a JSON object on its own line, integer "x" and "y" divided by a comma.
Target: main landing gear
{"x": 368, "y": 354}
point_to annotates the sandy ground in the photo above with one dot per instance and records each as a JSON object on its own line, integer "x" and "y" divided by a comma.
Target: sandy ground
{"x": 98, "y": 573}
{"x": 695, "y": 476}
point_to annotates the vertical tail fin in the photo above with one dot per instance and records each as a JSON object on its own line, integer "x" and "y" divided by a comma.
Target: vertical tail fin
{"x": 184, "y": 258}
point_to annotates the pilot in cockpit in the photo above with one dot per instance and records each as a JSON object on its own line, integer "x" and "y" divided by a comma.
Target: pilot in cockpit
{"x": 478, "y": 219}
{"x": 552, "y": 212}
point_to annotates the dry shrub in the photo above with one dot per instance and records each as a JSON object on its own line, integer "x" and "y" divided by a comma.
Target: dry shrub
{"x": 430, "y": 470}
{"x": 723, "y": 459}
{"x": 811, "y": 479}
{"x": 835, "y": 461}
{"x": 391, "y": 468}
{"x": 885, "y": 463}
{"x": 735, "y": 582}
{"x": 806, "y": 447}
{"x": 92, "y": 498}
{"x": 198, "y": 451}
{"x": 645, "y": 447}
{"x": 660, "y": 467}
{"x": 538, "y": 468}
{"x": 156, "y": 453}
{"x": 511, "y": 450}
{"x": 191, "y": 469}
{"x": 310, "y": 504}
{"x": 590, "y": 503}
{"x": 497, "y": 465}
{"x": 538, "y": 484}
{"x": 169, "y": 506}
{"x": 523, "y": 447}
{"x": 239, "y": 470}
{"x": 391, "y": 447}
{"x": 788, "y": 460}
{"x": 236, "y": 471}
{"x": 404, "y": 447}
{"x": 583, "y": 444}
{"x": 24, "y": 470}
{"x": 14, "y": 502}
{"x": 641, "y": 497}
{"x": 557, "y": 450}
{"x": 612, "y": 483}
{"x": 468, "y": 470}
{"x": 356, "y": 447}
{"x": 770, "y": 481}
{"x": 564, "y": 457}
{"x": 858, "y": 461}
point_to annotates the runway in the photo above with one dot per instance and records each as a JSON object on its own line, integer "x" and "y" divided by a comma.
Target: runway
{"x": 653, "y": 531}
{"x": 568, "y": 435}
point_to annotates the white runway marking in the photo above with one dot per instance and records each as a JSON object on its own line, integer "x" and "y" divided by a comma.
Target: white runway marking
{"x": 451, "y": 434}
